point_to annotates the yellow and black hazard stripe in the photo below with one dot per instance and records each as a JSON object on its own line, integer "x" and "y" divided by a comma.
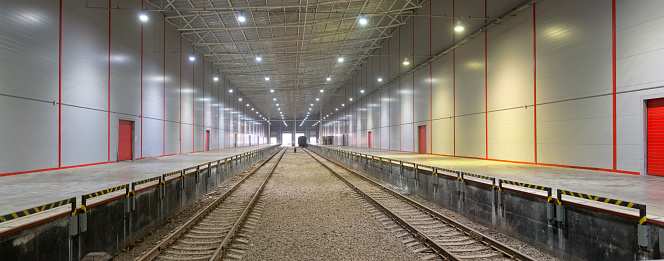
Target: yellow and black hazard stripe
{"x": 146, "y": 181}
{"x": 172, "y": 173}
{"x": 35, "y": 210}
{"x": 106, "y": 191}
{"x": 476, "y": 176}
{"x": 525, "y": 185}
{"x": 601, "y": 199}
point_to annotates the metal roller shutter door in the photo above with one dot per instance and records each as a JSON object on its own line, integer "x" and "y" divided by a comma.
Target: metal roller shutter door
{"x": 655, "y": 125}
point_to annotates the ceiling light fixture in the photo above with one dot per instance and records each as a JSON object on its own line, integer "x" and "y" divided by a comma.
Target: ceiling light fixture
{"x": 363, "y": 20}
{"x": 361, "y": 91}
{"x": 271, "y": 90}
{"x": 192, "y": 58}
{"x": 341, "y": 59}
{"x": 405, "y": 61}
{"x": 259, "y": 58}
{"x": 458, "y": 27}
{"x": 143, "y": 17}
{"x": 239, "y": 99}
{"x": 329, "y": 78}
{"x": 380, "y": 79}
{"x": 241, "y": 18}
{"x": 317, "y": 99}
{"x": 321, "y": 90}
{"x": 350, "y": 99}
{"x": 216, "y": 79}
{"x": 231, "y": 90}
{"x": 267, "y": 78}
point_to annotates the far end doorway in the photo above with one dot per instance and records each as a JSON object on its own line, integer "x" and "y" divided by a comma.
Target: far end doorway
{"x": 287, "y": 139}
{"x": 369, "y": 140}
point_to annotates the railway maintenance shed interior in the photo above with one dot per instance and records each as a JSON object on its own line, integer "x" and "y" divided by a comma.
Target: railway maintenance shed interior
{"x": 331, "y": 129}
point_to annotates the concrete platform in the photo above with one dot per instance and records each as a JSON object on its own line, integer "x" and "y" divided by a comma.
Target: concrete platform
{"x": 648, "y": 190}
{"x": 29, "y": 190}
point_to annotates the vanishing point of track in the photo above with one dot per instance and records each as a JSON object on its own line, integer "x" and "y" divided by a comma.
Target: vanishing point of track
{"x": 207, "y": 235}
{"x": 443, "y": 237}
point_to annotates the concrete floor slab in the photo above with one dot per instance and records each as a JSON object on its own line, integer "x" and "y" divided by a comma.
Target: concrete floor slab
{"x": 23, "y": 191}
{"x": 648, "y": 190}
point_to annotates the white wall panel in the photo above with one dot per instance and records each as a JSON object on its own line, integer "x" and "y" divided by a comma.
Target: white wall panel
{"x": 470, "y": 99}
{"x": 443, "y": 106}
{"x": 28, "y": 135}
{"x": 406, "y": 112}
{"x": 187, "y": 121}
{"x": 29, "y": 54}
{"x": 198, "y": 102}
{"x": 172, "y": 90}
{"x": 441, "y": 27}
{"x": 84, "y": 83}
{"x": 153, "y": 86}
{"x": 510, "y": 84}
{"x": 385, "y": 119}
{"x": 574, "y": 60}
{"x": 394, "y": 123}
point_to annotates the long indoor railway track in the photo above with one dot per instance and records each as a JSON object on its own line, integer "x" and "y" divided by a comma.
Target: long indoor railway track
{"x": 442, "y": 236}
{"x": 207, "y": 235}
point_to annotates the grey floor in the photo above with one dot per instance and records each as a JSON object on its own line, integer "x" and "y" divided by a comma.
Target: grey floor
{"x": 23, "y": 191}
{"x": 648, "y": 190}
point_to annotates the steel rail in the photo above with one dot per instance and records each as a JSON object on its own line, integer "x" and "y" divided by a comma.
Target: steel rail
{"x": 223, "y": 246}
{"x": 419, "y": 235}
{"x": 487, "y": 241}
{"x": 181, "y": 230}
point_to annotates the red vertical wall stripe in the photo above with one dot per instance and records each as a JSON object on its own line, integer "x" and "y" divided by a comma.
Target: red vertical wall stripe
{"x": 141, "y": 85}
{"x": 453, "y": 87}
{"x": 535, "y": 83}
{"x": 486, "y": 92}
{"x": 613, "y": 44}
{"x": 60, "y": 87}
{"x": 108, "y": 116}
{"x": 163, "y": 115}
{"x": 180, "y": 95}
{"x": 193, "y": 103}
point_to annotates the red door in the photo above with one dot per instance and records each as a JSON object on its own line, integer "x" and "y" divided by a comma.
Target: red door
{"x": 423, "y": 138}
{"x": 125, "y": 141}
{"x": 655, "y": 125}
{"x": 369, "y": 140}
{"x": 207, "y": 140}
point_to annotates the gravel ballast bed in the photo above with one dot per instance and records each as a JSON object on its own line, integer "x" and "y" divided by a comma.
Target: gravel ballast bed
{"x": 311, "y": 215}
{"x": 513, "y": 243}
{"x": 153, "y": 237}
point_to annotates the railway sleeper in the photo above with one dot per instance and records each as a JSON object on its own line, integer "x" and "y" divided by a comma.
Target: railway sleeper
{"x": 200, "y": 242}
{"x": 456, "y": 243}
{"x": 202, "y": 237}
{"x": 184, "y": 259}
{"x": 183, "y": 248}
{"x": 491, "y": 255}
